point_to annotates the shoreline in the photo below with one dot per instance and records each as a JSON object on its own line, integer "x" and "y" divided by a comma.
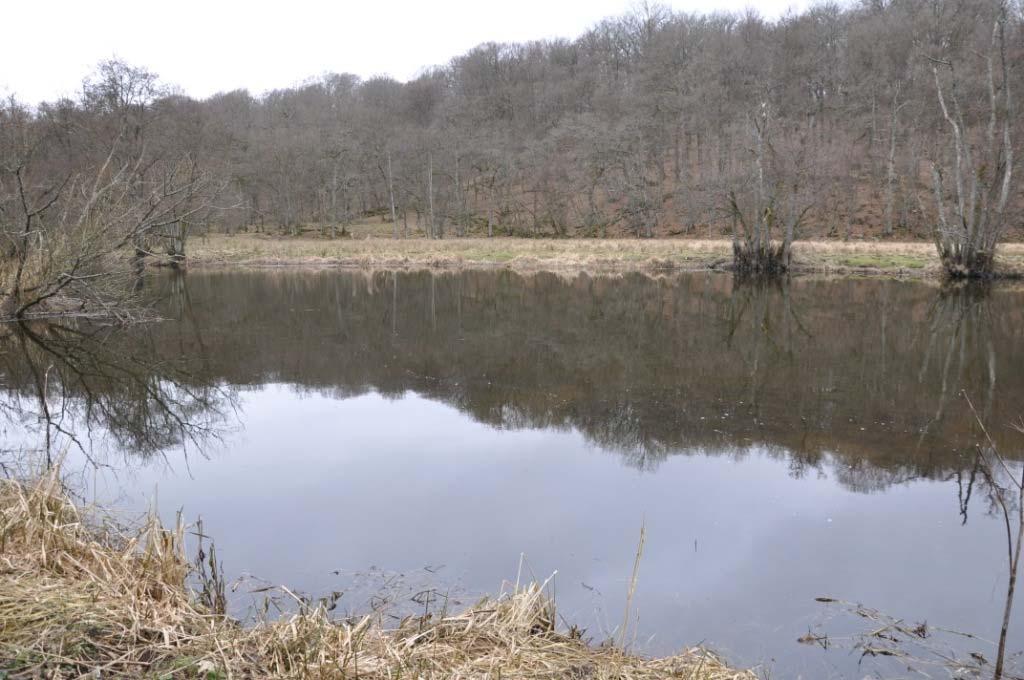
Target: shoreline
{"x": 81, "y": 593}
{"x": 904, "y": 260}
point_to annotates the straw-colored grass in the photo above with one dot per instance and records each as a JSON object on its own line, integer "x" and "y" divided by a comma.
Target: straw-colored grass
{"x": 525, "y": 254}
{"x": 80, "y": 597}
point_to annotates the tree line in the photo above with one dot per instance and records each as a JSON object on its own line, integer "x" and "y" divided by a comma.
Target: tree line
{"x": 877, "y": 118}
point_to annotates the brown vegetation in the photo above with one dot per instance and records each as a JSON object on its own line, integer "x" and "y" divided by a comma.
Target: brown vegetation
{"x": 371, "y": 250}
{"x": 80, "y": 596}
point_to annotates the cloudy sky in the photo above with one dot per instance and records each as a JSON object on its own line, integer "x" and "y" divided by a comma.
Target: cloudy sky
{"x": 206, "y": 46}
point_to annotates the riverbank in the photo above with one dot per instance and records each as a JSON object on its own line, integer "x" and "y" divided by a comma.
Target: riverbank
{"x": 82, "y": 595}
{"x": 875, "y": 258}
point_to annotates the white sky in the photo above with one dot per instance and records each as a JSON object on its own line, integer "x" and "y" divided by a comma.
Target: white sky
{"x": 207, "y": 46}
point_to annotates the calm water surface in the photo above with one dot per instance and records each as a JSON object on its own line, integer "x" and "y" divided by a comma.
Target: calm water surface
{"x": 384, "y": 433}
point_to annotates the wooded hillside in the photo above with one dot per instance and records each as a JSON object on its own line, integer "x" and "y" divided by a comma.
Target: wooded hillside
{"x": 647, "y": 124}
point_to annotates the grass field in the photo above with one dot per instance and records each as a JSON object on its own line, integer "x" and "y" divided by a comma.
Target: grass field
{"x": 374, "y": 250}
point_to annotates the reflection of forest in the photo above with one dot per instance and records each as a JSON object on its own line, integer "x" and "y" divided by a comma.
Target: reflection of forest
{"x": 863, "y": 377}
{"x": 65, "y": 384}
{"x": 864, "y": 374}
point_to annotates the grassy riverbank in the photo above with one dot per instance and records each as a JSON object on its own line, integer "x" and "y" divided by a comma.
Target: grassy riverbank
{"x": 80, "y": 596}
{"x": 823, "y": 257}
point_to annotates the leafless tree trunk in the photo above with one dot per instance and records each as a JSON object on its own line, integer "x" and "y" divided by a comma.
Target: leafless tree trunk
{"x": 890, "y": 173}
{"x": 391, "y": 194}
{"x": 430, "y": 192}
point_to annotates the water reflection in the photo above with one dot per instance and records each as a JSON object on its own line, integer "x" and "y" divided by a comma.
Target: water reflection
{"x": 868, "y": 374}
{"x": 71, "y": 384}
{"x": 865, "y": 373}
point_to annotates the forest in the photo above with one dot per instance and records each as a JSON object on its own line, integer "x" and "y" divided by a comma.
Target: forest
{"x": 864, "y": 120}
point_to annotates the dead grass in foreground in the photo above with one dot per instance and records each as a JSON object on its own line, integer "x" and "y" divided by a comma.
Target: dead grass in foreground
{"x": 83, "y": 597}
{"x": 824, "y": 257}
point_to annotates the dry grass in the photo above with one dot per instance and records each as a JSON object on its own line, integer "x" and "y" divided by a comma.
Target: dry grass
{"x": 80, "y": 596}
{"x": 829, "y": 257}
{"x": 517, "y": 253}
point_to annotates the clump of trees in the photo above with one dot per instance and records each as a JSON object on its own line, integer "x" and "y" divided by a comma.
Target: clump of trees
{"x": 822, "y": 123}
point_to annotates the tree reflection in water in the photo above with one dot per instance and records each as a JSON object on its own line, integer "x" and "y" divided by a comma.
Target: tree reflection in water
{"x": 101, "y": 389}
{"x": 858, "y": 379}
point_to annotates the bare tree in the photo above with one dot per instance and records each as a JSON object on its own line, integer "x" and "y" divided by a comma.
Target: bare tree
{"x": 972, "y": 214}
{"x": 768, "y": 202}
{"x": 69, "y": 234}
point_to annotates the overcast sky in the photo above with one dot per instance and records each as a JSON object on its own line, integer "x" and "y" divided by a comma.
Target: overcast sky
{"x": 207, "y": 46}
